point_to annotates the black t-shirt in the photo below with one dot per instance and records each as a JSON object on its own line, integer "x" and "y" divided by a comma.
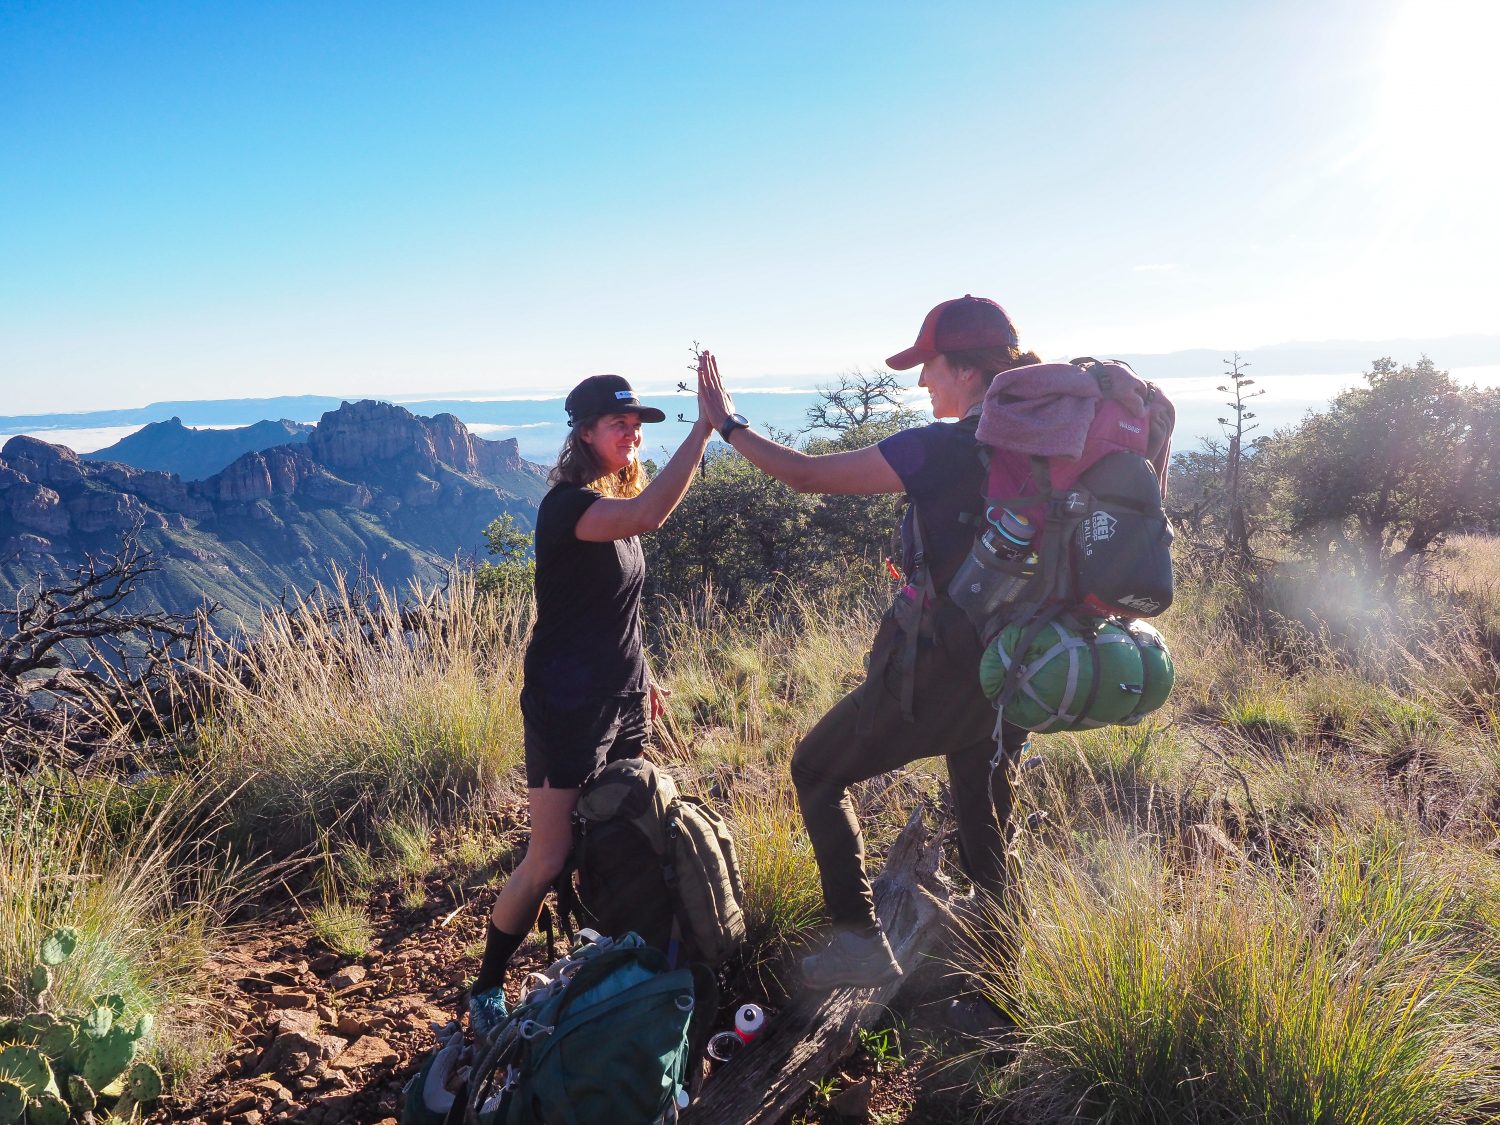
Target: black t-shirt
{"x": 586, "y": 644}
{"x": 939, "y": 465}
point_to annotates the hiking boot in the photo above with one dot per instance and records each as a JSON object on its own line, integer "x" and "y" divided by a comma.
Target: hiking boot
{"x": 853, "y": 959}
{"x": 487, "y": 1012}
{"x": 975, "y": 1018}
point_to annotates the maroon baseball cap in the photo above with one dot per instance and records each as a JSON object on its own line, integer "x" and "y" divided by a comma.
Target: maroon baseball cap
{"x": 959, "y": 325}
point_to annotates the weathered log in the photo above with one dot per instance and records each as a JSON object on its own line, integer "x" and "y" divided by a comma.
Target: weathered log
{"x": 818, "y": 1029}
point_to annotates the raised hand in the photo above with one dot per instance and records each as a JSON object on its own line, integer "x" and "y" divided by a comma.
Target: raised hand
{"x": 714, "y": 402}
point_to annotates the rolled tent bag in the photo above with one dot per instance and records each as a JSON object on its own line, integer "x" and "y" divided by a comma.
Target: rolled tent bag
{"x": 1079, "y": 673}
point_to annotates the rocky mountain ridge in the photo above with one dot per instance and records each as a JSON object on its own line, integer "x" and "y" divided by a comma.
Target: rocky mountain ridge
{"x": 372, "y": 488}
{"x": 194, "y": 454}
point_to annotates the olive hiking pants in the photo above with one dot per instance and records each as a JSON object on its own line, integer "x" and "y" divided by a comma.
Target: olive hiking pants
{"x": 866, "y": 734}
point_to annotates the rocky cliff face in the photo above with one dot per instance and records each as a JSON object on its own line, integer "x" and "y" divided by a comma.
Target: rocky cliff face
{"x": 373, "y": 486}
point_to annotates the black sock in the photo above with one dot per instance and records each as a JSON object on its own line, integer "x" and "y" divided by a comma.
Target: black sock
{"x": 499, "y": 948}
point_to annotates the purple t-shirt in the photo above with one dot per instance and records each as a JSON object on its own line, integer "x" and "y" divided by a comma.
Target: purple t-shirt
{"x": 944, "y": 478}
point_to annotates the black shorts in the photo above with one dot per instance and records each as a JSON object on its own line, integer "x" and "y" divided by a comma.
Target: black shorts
{"x": 564, "y": 746}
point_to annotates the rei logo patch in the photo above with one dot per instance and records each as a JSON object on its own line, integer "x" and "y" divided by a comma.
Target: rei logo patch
{"x": 1101, "y": 526}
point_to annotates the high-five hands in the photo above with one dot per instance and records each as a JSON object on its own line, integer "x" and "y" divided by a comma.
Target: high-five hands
{"x": 714, "y": 402}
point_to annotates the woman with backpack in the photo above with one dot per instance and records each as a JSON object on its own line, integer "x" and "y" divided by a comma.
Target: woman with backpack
{"x": 921, "y": 696}
{"x": 586, "y": 696}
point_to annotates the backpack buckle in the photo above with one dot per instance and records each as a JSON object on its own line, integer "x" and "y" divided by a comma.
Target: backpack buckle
{"x": 530, "y": 1029}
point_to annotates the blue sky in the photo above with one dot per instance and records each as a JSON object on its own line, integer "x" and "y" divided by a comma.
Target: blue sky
{"x": 230, "y": 200}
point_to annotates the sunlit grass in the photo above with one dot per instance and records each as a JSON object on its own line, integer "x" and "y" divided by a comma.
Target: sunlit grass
{"x": 1144, "y": 994}
{"x": 346, "y": 716}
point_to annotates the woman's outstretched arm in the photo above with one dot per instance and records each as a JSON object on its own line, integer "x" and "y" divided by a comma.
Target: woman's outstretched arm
{"x": 863, "y": 472}
{"x": 609, "y": 518}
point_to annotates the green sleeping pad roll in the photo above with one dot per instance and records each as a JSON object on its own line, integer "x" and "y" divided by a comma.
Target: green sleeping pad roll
{"x": 1068, "y": 657}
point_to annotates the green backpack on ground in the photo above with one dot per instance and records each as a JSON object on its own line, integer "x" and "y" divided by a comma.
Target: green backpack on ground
{"x": 608, "y": 1038}
{"x": 649, "y": 860}
{"x": 1077, "y": 673}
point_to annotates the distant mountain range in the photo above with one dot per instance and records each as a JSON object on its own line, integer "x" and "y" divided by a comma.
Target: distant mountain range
{"x": 171, "y": 447}
{"x": 539, "y": 426}
{"x": 371, "y": 487}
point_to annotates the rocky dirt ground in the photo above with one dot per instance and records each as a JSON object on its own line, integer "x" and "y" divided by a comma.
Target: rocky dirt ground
{"x": 319, "y": 1037}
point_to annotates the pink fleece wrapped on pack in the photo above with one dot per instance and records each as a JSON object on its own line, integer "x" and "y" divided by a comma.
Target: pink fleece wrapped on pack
{"x": 1047, "y": 409}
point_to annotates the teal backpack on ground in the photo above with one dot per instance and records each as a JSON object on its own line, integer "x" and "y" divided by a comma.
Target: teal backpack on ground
{"x": 608, "y": 1035}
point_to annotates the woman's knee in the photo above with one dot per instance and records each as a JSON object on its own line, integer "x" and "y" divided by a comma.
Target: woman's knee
{"x": 540, "y": 868}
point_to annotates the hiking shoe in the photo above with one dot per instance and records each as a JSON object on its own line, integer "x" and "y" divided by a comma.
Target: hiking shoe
{"x": 853, "y": 959}
{"x": 975, "y": 1018}
{"x": 487, "y": 1012}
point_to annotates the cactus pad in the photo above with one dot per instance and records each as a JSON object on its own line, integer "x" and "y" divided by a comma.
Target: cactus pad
{"x": 113, "y": 1001}
{"x": 59, "y": 945}
{"x": 143, "y": 1026}
{"x": 56, "y": 1041}
{"x": 105, "y": 1058}
{"x": 12, "y": 1102}
{"x": 80, "y": 1094}
{"x": 96, "y": 1024}
{"x": 27, "y": 1067}
{"x": 144, "y": 1082}
{"x": 41, "y": 979}
{"x": 48, "y": 1109}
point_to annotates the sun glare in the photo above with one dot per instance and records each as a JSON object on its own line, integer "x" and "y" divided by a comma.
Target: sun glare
{"x": 1440, "y": 94}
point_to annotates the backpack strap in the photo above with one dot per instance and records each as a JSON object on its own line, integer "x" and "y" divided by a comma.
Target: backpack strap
{"x": 917, "y": 618}
{"x": 912, "y": 634}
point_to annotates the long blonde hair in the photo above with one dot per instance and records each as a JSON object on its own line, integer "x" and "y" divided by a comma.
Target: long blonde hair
{"x": 578, "y": 464}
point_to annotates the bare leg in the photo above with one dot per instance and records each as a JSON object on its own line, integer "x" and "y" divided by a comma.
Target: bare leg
{"x": 520, "y": 900}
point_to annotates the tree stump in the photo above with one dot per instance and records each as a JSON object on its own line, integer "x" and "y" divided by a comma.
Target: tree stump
{"x": 817, "y": 1030}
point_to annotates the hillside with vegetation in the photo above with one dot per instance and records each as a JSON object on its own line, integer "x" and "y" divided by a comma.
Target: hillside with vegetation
{"x": 1276, "y": 900}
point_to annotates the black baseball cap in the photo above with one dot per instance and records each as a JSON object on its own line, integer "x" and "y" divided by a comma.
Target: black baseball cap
{"x": 607, "y": 394}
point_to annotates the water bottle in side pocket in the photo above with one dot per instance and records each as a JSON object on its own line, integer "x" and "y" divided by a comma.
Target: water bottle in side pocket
{"x": 997, "y": 568}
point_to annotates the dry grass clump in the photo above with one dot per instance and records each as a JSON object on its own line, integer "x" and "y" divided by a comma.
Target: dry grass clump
{"x": 347, "y": 713}
{"x": 748, "y": 681}
{"x": 1361, "y": 991}
{"x": 782, "y": 895}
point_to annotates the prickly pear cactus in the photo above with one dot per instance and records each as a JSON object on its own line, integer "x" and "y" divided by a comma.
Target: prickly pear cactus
{"x": 59, "y": 945}
{"x": 12, "y": 1102}
{"x": 28, "y": 1068}
{"x": 142, "y": 1084}
{"x": 80, "y": 1094}
{"x": 88, "y": 1053}
{"x": 96, "y": 1023}
{"x": 48, "y": 1109}
{"x": 106, "y": 1057}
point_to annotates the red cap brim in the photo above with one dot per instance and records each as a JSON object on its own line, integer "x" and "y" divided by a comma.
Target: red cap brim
{"x": 913, "y": 356}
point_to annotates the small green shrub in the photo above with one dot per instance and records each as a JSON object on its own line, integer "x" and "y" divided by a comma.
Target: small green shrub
{"x": 343, "y": 928}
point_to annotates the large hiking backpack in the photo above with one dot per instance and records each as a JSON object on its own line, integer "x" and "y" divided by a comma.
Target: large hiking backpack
{"x": 1058, "y": 643}
{"x": 607, "y": 1035}
{"x": 650, "y": 860}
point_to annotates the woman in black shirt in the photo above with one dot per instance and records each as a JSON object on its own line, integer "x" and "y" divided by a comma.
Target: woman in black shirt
{"x": 586, "y": 696}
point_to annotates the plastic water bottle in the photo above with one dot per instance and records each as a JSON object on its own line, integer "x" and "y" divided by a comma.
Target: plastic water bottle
{"x": 997, "y": 568}
{"x": 748, "y": 1021}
